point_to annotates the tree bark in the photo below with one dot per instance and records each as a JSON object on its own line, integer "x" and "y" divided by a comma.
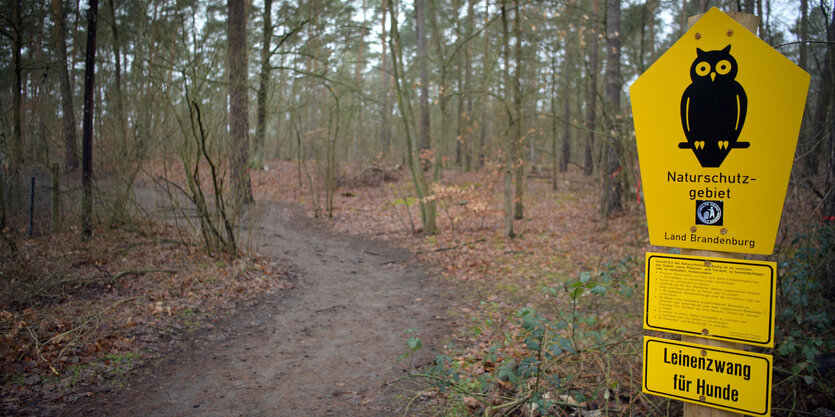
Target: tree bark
{"x": 591, "y": 97}
{"x": 485, "y": 79}
{"x": 264, "y": 80}
{"x": 828, "y": 84}
{"x": 509, "y": 148}
{"x": 565, "y": 154}
{"x": 518, "y": 137}
{"x": 612, "y": 188}
{"x": 555, "y": 159}
{"x": 67, "y": 108}
{"x": 385, "y": 86}
{"x": 428, "y": 211}
{"x": 238, "y": 102}
{"x": 16, "y": 160}
{"x": 87, "y": 138}
{"x": 823, "y": 104}
{"x": 424, "y": 138}
{"x": 117, "y": 75}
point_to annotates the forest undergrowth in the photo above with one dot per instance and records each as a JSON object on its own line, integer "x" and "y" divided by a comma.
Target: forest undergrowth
{"x": 79, "y": 317}
{"x": 550, "y": 321}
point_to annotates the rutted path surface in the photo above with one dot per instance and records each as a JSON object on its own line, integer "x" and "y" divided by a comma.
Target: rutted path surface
{"x": 326, "y": 349}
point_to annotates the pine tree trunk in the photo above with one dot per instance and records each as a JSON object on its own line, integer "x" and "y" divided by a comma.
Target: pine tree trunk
{"x": 591, "y": 97}
{"x": 264, "y": 80}
{"x": 67, "y": 108}
{"x": 424, "y": 139}
{"x": 16, "y": 160}
{"x": 612, "y": 188}
{"x": 828, "y": 84}
{"x": 87, "y": 138}
{"x": 518, "y": 139}
{"x": 238, "y": 102}
{"x": 385, "y": 86}
{"x": 565, "y": 155}
{"x": 509, "y": 148}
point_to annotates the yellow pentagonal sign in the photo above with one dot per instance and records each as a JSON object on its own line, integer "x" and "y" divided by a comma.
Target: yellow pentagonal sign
{"x": 717, "y": 119}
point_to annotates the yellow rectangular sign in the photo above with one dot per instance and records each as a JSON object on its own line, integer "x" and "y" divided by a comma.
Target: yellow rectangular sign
{"x": 717, "y": 298}
{"x": 728, "y": 379}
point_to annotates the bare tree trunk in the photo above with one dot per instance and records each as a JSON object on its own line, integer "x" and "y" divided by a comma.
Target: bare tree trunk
{"x": 428, "y": 212}
{"x": 555, "y": 160}
{"x": 238, "y": 103}
{"x": 565, "y": 155}
{"x": 591, "y": 97}
{"x": 87, "y": 138}
{"x": 117, "y": 86}
{"x": 509, "y": 140}
{"x": 612, "y": 188}
{"x": 16, "y": 160}
{"x": 485, "y": 78}
{"x": 828, "y": 84}
{"x": 67, "y": 108}
{"x": 264, "y": 81}
{"x": 804, "y": 32}
{"x": 822, "y": 116}
{"x": 517, "y": 99}
{"x": 424, "y": 139}
{"x": 468, "y": 70}
{"x": 385, "y": 85}
{"x": 443, "y": 95}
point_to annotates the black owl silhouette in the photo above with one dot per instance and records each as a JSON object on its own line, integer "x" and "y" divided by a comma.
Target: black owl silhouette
{"x": 713, "y": 107}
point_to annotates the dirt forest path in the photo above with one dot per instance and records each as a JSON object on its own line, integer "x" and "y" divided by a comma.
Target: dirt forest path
{"x": 326, "y": 349}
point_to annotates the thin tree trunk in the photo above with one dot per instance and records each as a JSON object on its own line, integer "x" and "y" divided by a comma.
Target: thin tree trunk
{"x": 612, "y": 188}
{"x": 565, "y": 155}
{"x": 238, "y": 103}
{"x": 509, "y": 148}
{"x": 87, "y": 138}
{"x": 428, "y": 212}
{"x": 485, "y": 79}
{"x": 828, "y": 84}
{"x": 117, "y": 86}
{"x": 518, "y": 138}
{"x": 385, "y": 85}
{"x": 591, "y": 97}
{"x": 264, "y": 81}
{"x": 424, "y": 138}
{"x": 67, "y": 108}
{"x": 16, "y": 163}
{"x": 555, "y": 160}
{"x": 468, "y": 70}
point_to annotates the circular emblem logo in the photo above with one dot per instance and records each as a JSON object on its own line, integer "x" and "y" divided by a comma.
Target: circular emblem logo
{"x": 709, "y": 212}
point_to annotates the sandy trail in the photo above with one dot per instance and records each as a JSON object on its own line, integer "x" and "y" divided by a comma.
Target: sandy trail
{"x": 326, "y": 349}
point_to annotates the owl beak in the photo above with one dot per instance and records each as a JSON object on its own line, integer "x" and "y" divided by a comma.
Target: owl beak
{"x": 712, "y": 76}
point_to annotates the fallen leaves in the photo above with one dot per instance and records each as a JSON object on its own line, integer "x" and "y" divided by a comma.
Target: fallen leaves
{"x": 74, "y": 314}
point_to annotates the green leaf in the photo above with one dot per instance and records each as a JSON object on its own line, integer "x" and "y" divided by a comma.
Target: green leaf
{"x": 414, "y": 343}
{"x": 508, "y": 372}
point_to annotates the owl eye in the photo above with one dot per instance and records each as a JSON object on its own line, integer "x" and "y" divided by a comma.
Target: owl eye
{"x": 723, "y": 67}
{"x": 702, "y": 68}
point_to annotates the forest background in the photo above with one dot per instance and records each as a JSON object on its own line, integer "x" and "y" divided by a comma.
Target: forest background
{"x": 492, "y": 138}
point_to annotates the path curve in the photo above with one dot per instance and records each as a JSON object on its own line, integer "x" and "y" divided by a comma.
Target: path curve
{"x": 326, "y": 349}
